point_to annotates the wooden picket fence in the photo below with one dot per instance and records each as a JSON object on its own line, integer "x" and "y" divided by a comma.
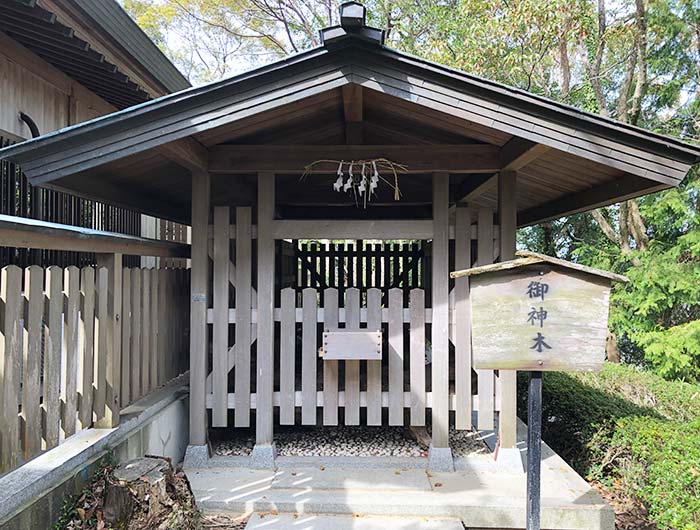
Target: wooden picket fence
{"x": 54, "y": 349}
{"x": 398, "y": 389}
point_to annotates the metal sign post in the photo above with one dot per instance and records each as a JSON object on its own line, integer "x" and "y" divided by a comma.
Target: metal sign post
{"x": 534, "y": 449}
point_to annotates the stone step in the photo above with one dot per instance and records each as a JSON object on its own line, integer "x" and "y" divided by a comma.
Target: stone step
{"x": 483, "y": 498}
{"x": 289, "y": 521}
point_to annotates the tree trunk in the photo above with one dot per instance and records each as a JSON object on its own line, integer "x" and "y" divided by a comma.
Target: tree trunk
{"x": 612, "y": 354}
{"x": 138, "y": 491}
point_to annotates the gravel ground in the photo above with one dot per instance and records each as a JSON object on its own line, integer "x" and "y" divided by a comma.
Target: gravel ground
{"x": 343, "y": 441}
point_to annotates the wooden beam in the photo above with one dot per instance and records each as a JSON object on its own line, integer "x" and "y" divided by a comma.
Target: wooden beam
{"x": 352, "y": 109}
{"x": 359, "y": 229}
{"x": 30, "y": 233}
{"x": 350, "y": 212}
{"x": 486, "y": 185}
{"x": 352, "y": 102}
{"x": 519, "y": 152}
{"x": 624, "y": 188}
{"x": 469, "y": 158}
{"x": 186, "y": 152}
{"x": 474, "y": 187}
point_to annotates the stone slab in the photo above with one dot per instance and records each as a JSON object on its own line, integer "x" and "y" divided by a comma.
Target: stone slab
{"x": 263, "y": 456}
{"x": 322, "y": 478}
{"x": 197, "y": 456}
{"x": 335, "y": 522}
{"x": 484, "y": 493}
{"x": 440, "y": 459}
{"x": 226, "y": 486}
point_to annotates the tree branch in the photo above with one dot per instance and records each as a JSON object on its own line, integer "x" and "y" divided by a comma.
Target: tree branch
{"x": 605, "y": 226}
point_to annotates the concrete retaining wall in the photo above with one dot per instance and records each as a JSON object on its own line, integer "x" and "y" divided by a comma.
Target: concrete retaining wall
{"x": 34, "y": 496}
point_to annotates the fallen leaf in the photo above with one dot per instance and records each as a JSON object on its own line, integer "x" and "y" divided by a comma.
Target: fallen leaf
{"x": 438, "y": 484}
{"x": 322, "y": 468}
{"x": 81, "y": 513}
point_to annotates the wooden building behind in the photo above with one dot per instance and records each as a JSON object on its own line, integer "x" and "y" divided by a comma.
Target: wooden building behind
{"x": 64, "y": 62}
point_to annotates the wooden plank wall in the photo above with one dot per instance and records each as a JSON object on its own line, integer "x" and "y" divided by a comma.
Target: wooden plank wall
{"x": 57, "y": 364}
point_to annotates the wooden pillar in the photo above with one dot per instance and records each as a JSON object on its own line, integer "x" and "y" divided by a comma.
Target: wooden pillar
{"x": 220, "y": 329}
{"x": 266, "y": 301}
{"x": 199, "y": 331}
{"x": 440, "y": 327}
{"x": 462, "y": 332}
{"x": 244, "y": 295}
{"x": 113, "y": 264}
{"x": 507, "y": 214}
{"x": 485, "y": 383}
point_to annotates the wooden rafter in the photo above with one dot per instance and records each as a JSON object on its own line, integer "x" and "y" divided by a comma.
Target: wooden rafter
{"x": 623, "y": 188}
{"x": 187, "y": 152}
{"x": 514, "y": 155}
{"x": 519, "y": 152}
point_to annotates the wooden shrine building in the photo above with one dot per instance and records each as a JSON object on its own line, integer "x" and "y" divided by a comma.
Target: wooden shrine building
{"x": 250, "y": 163}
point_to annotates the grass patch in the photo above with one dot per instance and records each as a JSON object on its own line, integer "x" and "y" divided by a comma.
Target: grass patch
{"x": 637, "y": 434}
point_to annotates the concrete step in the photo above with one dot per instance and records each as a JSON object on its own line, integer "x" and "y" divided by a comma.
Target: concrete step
{"x": 484, "y": 498}
{"x": 288, "y": 521}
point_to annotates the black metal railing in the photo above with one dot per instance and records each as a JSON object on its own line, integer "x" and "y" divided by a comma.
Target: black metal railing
{"x": 19, "y": 198}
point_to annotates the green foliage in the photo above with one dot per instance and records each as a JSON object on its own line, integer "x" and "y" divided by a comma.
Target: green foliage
{"x": 675, "y": 351}
{"x": 631, "y": 430}
{"x": 660, "y": 461}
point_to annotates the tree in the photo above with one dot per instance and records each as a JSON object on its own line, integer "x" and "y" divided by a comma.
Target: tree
{"x": 635, "y": 61}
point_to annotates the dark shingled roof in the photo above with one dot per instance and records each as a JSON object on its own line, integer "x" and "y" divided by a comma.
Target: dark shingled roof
{"x": 38, "y": 30}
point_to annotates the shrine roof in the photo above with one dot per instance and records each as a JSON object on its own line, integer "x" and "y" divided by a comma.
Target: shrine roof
{"x": 526, "y": 258}
{"x": 279, "y": 117}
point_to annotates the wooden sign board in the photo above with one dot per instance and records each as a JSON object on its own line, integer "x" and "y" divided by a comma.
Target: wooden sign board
{"x": 539, "y": 316}
{"x": 343, "y": 345}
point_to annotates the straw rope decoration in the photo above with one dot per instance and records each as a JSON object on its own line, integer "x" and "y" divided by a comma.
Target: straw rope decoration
{"x": 363, "y": 177}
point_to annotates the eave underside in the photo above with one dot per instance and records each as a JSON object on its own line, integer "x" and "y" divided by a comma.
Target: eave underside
{"x": 551, "y": 182}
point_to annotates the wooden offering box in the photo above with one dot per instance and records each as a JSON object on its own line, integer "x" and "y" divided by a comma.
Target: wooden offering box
{"x": 539, "y": 313}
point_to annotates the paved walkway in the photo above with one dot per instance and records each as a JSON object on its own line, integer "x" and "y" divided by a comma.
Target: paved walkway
{"x": 482, "y": 493}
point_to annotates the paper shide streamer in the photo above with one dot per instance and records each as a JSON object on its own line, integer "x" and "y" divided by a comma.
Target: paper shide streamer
{"x": 362, "y": 177}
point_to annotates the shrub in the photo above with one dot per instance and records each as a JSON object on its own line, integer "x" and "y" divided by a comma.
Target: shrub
{"x": 632, "y": 431}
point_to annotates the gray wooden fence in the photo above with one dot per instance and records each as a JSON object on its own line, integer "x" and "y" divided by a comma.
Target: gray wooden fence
{"x": 54, "y": 349}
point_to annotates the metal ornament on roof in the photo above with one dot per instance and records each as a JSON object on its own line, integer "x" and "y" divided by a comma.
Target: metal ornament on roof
{"x": 362, "y": 177}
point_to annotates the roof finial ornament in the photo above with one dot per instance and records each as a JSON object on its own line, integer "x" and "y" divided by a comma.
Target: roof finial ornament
{"x": 352, "y": 15}
{"x": 353, "y": 22}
